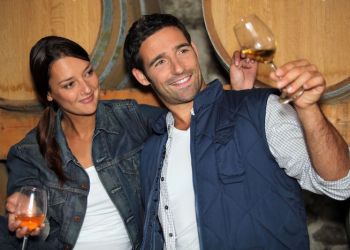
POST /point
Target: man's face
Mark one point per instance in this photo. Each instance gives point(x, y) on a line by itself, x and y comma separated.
point(171, 66)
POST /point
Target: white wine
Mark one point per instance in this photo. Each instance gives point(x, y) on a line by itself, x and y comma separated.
point(263, 55)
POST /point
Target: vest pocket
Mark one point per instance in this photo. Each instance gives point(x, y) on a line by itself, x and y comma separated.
point(228, 156)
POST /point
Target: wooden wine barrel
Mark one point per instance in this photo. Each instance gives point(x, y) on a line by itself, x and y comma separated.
point(100, 26)
point(314, 29)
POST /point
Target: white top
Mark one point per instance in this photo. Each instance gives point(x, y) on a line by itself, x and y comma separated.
point(180, 191)
point(285, 138)
point(103, 228)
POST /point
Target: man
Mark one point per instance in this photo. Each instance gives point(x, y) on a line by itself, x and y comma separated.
point(224, 168)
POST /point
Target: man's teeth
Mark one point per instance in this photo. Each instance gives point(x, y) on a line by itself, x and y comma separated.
point(182, 80)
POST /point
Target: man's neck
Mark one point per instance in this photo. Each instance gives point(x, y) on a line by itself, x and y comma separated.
point(182, 115)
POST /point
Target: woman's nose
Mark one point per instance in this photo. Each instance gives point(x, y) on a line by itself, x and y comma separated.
point(85, 87)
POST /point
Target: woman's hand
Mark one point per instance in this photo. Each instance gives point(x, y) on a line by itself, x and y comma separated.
point(13, 224)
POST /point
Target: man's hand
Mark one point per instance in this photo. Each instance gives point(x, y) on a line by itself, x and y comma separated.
point(13, 224)
point(242, 71)
point(300, 74)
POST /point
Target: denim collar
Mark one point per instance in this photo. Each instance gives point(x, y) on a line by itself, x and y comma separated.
point(103, 123)
point(203, 99)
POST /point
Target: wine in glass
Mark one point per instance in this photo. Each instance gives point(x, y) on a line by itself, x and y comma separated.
point(258, 43)
point(31, 208)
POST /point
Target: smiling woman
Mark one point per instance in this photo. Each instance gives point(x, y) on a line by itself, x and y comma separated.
point(80, 150)
point(98, 25)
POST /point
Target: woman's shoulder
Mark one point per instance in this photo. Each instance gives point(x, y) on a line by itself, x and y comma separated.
point(29, 140)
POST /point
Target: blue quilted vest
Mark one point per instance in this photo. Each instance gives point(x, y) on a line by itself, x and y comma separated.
point(244, 200)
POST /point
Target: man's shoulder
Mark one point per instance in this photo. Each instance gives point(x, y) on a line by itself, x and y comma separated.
point(249, 97)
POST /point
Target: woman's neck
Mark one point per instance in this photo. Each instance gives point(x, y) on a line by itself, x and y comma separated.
point(78, 126)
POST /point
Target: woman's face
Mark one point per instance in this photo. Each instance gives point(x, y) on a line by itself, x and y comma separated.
point(74, 86)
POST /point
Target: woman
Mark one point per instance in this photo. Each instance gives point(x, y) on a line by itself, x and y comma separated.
point(84, 152)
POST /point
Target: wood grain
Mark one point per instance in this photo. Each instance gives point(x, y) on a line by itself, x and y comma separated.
point(314, 29)
point(24, 22)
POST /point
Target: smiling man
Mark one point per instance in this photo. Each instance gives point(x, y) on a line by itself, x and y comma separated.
point(223, 169)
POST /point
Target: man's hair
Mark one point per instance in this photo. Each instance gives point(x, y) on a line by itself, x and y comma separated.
point(141, 29)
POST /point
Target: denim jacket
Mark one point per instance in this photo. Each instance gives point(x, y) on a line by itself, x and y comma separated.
point(121, 128)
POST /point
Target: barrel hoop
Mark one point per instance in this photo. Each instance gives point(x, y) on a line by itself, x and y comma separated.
point(104, 34)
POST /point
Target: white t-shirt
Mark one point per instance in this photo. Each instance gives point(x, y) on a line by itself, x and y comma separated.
point(103, 227)
point(180, 190)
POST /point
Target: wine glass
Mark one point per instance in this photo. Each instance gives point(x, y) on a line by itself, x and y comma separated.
point(31, 208)
point(258, 43)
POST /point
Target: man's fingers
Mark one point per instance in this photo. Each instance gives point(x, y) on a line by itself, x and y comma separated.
point(296, 77)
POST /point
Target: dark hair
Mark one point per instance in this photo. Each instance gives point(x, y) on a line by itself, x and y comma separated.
point(46, 51)
point(141, 29)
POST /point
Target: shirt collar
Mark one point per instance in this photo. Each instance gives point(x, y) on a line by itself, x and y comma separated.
point(204, 98)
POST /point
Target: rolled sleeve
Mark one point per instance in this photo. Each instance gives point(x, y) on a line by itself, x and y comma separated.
point(287, 144)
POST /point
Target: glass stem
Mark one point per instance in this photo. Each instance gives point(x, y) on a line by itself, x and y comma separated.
point(24, 243)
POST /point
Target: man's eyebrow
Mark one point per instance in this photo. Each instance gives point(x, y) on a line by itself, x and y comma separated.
point(162, 54)
point(182, 45)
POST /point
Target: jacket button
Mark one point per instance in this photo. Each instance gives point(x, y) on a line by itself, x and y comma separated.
point(67, 247)
point(84, 186)
point(76, 218)
point(166, 207)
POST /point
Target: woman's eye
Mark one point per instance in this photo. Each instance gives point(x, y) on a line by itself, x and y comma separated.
point(89, 72)
point(68, 85)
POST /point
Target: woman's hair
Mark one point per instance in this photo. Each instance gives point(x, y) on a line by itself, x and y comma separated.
point(42, 55)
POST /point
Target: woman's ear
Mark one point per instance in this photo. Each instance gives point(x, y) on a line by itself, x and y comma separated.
point(49, 97)
point(140, 77)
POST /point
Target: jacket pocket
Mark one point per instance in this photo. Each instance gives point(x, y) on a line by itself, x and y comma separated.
point(128, 166)
point(56, 201)
point(129, 162)
point(228, 156)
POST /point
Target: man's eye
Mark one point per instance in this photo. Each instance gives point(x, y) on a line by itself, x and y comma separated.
point(182, 51)
point(159, 62)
